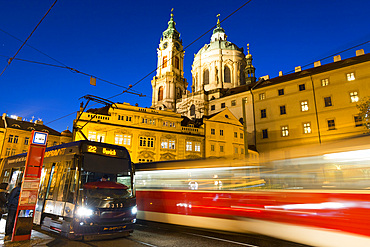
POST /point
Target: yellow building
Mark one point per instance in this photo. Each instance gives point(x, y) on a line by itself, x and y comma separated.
point(313, 106)
point(158, 135)
point(15, 135)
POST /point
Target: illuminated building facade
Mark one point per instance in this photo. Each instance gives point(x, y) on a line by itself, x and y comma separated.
point(15, 135)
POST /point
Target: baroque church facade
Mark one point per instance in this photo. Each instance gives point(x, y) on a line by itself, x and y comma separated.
point(217, 67)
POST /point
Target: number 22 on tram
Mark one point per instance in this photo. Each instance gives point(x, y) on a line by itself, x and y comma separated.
point(86, 190)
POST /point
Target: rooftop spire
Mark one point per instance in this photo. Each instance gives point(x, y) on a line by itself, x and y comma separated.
point(218, 32)
point(171, 31)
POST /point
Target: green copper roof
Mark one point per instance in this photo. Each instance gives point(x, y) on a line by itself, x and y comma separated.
point(218, 29)
point(171, 31)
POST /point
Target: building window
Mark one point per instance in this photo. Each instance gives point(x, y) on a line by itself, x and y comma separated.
point(221, 132)
point(236, 150)
point(189, 146)
point(177, 63)
point(192, 110)
point(302, 87)
point(354, 96)
point(127, 140)
point(307, 128)
point(168, 144)
point(10, 139)
point(263, 113)
point(118, 139)
point(223, 105)
point(164, 63)
point(212, 148)
point(281, 91)
point(241, 135)
point(213, 107)
point(213, 131)
point(236, 134)
point(304, 105)
point(100, 137)
point(91, 136)
point(358, 121)
point(160, 93)
point(146, 141)
point(221, 149)
point(242, 150)
point(206, 77)
point(15, 139)
point(197, 147)
point(13, 152)
point(262, 96)
point(331, 124)
point(26, 140)
point(325, 82)
point(282, 110)
point(129, 118)
point(264, 134)
point(327, 101)
point(227, 75)
point(233, 103)
point(351, 76)
point(164, 144)
point(284, 131)
point(7, 153)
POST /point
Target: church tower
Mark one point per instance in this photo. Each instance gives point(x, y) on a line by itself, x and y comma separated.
point(249, 70)
point(169, 83)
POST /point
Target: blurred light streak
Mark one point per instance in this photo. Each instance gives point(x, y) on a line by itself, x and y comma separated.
point(349, 156)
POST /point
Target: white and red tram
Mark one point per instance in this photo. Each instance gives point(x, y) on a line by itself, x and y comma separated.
point(319, 201)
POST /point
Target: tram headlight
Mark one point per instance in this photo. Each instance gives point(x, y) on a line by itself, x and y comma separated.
point(134, 210)
point(82, 211)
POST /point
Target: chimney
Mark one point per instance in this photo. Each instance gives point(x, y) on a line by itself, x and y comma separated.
point(280, 73)
point(265, 77)
point(317, 64)
point(337, 58)
point(298, 69)
point(19, 118)
point(39, 122)
point(360, 52)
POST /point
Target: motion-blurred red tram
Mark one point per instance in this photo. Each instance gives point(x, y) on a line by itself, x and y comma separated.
point(320, 201)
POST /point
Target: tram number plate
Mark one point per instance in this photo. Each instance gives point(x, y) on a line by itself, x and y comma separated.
point(114, 228)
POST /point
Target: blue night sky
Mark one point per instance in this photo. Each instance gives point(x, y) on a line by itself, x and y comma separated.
point(117, 41)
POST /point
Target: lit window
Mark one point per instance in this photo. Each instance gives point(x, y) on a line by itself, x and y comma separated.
point(118, 139)
point(331, 124)
point(221, 132)
point(307, 128)
point(100, 137)
point(263, 113)
point(281, 92)
point(327, 101)
point(264, 134)
point(233, 103)
point(189, 146)
point(358, 121)
point(91, 136)
point(164, 143)
point(351, 76)
point(304, 106)
point(282, 110)
point(10, 138)
point(171, 144)
point(354, 96)
point(213, 131)
point(284, 131)
point(197, 147)
point(325, 82)
point(302, 87)
point(262, 96)
point(127, 140)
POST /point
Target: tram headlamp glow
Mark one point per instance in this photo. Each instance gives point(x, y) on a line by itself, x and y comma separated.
point(134, 210)
point(82, 211)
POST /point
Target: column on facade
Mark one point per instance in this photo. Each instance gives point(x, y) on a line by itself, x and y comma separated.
point(220, 71)
point(234, 81)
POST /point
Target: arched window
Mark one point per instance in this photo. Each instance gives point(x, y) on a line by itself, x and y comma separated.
point(160, 93)
point(227, 74)
point(192, 110)
point(164, 62)
point(206, 77)
point(178, 93)
point(177, 63)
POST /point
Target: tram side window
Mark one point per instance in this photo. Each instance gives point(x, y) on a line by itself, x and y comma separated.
point(64, 180)
point(56, 177)
point(45, 175)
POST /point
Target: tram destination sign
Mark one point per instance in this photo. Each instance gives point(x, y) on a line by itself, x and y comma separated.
point(107, 151)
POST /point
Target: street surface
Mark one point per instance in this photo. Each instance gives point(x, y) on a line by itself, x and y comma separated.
point(162, 235)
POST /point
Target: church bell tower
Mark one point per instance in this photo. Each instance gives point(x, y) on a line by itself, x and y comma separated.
point(169, 83)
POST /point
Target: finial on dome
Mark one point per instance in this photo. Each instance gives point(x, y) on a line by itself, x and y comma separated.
point(218, 19)
point(248, 47)
point(171, 12)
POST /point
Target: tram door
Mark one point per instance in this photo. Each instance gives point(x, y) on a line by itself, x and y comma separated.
point(46, 176)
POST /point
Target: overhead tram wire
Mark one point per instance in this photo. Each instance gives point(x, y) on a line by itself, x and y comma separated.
point(11, 59)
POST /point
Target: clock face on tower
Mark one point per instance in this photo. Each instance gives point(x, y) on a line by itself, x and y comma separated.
point(165, 45)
